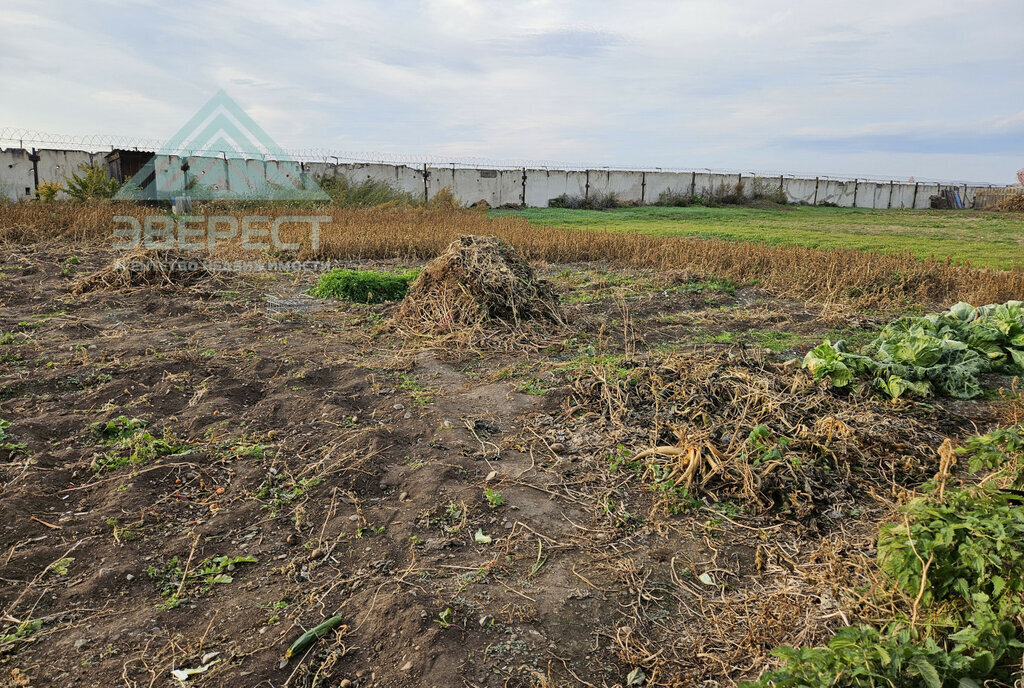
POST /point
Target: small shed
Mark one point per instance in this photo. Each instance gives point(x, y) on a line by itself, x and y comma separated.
point(122, 164)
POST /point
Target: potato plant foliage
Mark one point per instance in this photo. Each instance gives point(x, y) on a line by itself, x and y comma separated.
point(959, 556)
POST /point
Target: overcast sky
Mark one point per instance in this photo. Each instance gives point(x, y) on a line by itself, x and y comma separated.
point(887, 88)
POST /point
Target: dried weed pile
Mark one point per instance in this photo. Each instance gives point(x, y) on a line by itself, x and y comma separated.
point(479, 285)
point(156, 269)
point(732, 435)
point(739, 426)
point(1013, 204)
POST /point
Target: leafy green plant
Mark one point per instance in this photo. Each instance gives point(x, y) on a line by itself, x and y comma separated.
point(47, 191)
point(416, 390)
point(363, 286)
point(60, 567)
point(863, 657)
point(141, 447)
point(942, 353)
point(763, 447)
point(494, 498)
point(677, 497)
point(960, 558)
point(622, 459)
point(995, 449)
point(19, 632)
point(176, 583)
point(7, 442)
point(721, 284)
point(92, 184)
point(974, 541)
point(445, 618)
point(833, 361)
point(281, 489)
point(118, 429)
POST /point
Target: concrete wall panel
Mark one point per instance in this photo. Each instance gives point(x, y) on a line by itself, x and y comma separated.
point(576, 183)
point(402, 177)
point(838, 192)
point(316, 170)
point(439, 178)
point(799, 190)
point(662, 182)
point(472, 185)
point(16, 178)
point(703, 184)
point(902, 196)
point(510, 187)
point(57, 165)
point(924, 195)
point(627, 186)
point(847, 191)
point(865, 196)
point(970, 192)
point(543, 185)
point(883, 190)
point(209, 172)
point(720, 184)
point(170, 180)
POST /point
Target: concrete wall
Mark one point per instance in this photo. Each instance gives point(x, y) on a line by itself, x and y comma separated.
point(657, 183)
point(17, 180)
point(627, 186)
point(495, 186)
point(924, 195)
point(803, 191)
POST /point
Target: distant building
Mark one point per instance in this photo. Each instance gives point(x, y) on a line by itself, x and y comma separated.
point(124, 164)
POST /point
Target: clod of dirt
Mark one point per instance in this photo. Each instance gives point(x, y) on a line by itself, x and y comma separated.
point(478, 282)
point(160, 269)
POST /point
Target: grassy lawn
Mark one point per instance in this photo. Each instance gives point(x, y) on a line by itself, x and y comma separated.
point(983, 238)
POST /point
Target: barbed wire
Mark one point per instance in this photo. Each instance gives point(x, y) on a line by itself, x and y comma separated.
point(94, 143)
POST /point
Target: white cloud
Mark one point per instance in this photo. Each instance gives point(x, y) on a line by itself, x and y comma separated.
point(701, 83)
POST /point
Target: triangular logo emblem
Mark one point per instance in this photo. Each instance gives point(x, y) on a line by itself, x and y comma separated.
point(221, 154)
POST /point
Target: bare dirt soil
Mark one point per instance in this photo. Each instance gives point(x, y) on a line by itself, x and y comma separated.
point(472, 515)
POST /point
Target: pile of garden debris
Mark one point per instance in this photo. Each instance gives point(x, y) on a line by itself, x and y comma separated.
point(478, 285)
point(158, 269)
point(736, 425)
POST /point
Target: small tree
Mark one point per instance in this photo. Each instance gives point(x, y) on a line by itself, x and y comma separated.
point(48, 191)
point(93, 183)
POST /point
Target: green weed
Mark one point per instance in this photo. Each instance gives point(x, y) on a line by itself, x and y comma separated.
point(363, 286)
point(494, 498)
point(136, 448)
point(7, 442)
point(176, 584)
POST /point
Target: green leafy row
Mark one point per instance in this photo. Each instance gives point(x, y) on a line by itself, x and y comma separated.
point(941, 353)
